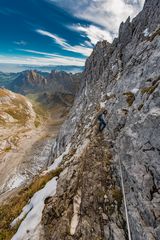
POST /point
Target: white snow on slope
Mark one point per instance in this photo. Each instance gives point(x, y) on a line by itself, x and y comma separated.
point(33, 210)
point(57, 161)
point(35, 207)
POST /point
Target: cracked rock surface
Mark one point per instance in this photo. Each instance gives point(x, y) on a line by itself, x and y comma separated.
point(124, 77)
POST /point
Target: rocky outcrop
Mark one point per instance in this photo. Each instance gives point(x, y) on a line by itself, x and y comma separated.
point(124, 78)
point(88, 202)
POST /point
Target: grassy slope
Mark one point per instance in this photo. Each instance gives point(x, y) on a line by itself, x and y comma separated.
point(11, 210)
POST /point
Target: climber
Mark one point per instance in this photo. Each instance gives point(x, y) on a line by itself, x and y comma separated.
point(101, 120)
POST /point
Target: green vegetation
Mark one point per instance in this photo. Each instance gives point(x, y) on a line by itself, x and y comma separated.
point(7, 149)
point(149, 90)
point(12, 209)
point(130, 98)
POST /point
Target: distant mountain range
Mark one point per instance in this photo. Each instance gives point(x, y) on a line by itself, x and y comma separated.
point(32, 81)
point(19, 68)
point(73, 69)
point(7, 78)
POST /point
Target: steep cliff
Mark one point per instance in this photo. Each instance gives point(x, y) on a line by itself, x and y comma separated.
point(124, 78)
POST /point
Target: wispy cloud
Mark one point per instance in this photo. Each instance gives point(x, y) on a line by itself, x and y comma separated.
point(8, 11)
point(84, 50)
point(20, 43)
point(47, 59)
point(93, 33)
point(105, 13)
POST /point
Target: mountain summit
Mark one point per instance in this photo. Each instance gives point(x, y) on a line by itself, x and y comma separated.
point(27, 81)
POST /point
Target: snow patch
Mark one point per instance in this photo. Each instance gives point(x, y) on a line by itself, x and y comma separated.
point(109, 94)
point(135, 90)
point(146, 32)
point(155, 112)
point(102, 104)
point(34, 212)
point(73, 119)
point(76, 212)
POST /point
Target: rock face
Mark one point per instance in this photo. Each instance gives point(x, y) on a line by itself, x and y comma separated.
point(124, 78)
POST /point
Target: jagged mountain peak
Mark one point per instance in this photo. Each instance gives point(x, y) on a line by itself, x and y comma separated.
point(28, 79)
point(32, 81)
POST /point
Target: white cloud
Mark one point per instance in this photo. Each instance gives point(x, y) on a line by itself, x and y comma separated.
point(20, 43)
point(105, 13)
point(57, 39)
point(86, 51)
point(93, 33)
point(40, 53)
point(47, 59)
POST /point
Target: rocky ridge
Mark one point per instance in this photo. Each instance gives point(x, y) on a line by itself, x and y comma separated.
point(32, 81)
point(124, 78)
point(28, 81)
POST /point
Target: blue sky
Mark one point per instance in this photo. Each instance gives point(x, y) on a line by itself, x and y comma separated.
point(58, 32)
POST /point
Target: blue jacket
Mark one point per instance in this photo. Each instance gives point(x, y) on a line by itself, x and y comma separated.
point(101, 117)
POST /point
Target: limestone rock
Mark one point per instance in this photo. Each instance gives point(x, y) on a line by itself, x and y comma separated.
point(124, 77)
